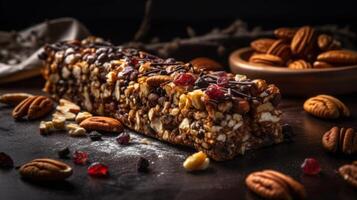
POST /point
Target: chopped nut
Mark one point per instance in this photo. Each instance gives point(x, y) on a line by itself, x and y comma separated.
point(59, 122)
point(82, 116)
point(196, 99)
point(67, 106)
point(68, 115)
point(197, 161)
point(75, 130)
point(45, 127)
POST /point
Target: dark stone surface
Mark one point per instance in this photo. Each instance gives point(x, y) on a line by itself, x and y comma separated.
point(166, 178)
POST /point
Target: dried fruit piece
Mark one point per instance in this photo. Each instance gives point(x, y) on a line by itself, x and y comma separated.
point(14, 98)
point(266, 59)
point(349, 174)
point(215, 92)
point(45, 169)
point(98, 170)
point(280, 49)
point(300, 64)
point(325, 106)
point(33, 107)
point(95, 136)
point(274, 185)
point(80, 157)
point(303, 41)
point(6, 161)
point(99, 123)
point(339, 57)
point(340, 140)
point(184, 79)
point(123, 138)
point(262, 45)
point(143, 165)
point(311, 166)
point(285, 33)
point(197, 161)
point(321, 65)
point(206, 64)
point(64, 153)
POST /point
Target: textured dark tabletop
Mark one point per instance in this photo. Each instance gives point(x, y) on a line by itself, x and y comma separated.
point(167, 179)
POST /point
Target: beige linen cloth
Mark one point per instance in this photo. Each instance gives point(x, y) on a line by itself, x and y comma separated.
point(56, 30)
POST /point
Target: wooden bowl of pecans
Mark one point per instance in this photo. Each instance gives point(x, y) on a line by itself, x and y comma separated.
point(300, 62)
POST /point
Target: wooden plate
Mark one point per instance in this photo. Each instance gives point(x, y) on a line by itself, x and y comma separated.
point(305, 82)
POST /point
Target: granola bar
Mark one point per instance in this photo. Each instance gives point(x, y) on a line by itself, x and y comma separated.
point(218, 113)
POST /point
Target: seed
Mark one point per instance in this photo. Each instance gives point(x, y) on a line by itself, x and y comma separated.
point(143, 165)
point(63, 153)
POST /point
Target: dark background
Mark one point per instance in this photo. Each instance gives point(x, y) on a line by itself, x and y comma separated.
point(118, 20)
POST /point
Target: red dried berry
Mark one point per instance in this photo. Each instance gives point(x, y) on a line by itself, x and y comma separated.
point(98, 170)
point(215, 92)
point(222, 81)
point(185, 79)
point(311, 166)
point(80, 157)
point(6, 161)
point(123, 139)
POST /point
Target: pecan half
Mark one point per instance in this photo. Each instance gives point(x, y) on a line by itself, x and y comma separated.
point(325, 106)
point(45, 169)
point(206, 64)
point(33, 107)
point(340, 140)
point(285, 33)
point(99, 123)
point(300, 64)
point(274, 185)
point(303, 41)
point(157, 80)
point(326, 42)
point(280, 49)
point(339, 57)
point(13, 98)
point(349, 173)
point(321, 64)
point(262, 45)
point(266, 59)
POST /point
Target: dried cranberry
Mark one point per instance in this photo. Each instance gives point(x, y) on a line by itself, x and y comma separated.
point(215, 92)
point(123, 139)
point(80, 157)
point(185, 79)
point(6, 161)
point(98, 170)
point(223, 81)
point(63, 153)
point(143, 165)
point(311, 166)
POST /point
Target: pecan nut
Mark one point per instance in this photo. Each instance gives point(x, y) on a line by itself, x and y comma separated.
point(285, 33)
point(33, 107)
point(300, 64)
point(326, 42)
point(157, 80)
point(320, 65)
point(262, 45)
point(340, 140)
point(206, 64)
point(280, 49)
point(13, 98)
point(349, 173)
point(303, 40)
point(99, 123)
point(45, 169)
point(325, 106)
point(339, 57)
point(275, 185)
point(266, 59)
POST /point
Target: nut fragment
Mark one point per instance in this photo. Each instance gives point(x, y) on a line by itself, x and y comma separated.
point(75, 130)
point(326, 42)
point(82, 116)
point(340, 140)
point(67, 106)
point(207, 64)
point(197, 161)
point(13, 98)
point(45, 169)
point(99, 123)
point(349, 173)
point(67, 115)
point(325, 106)
point(59, 122)
point(33, 107)
point(46, 127)
point(274, 185)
